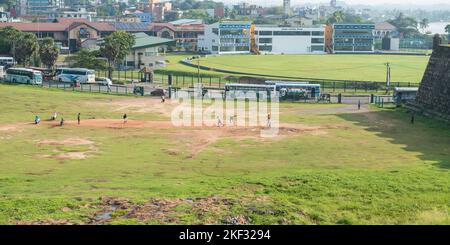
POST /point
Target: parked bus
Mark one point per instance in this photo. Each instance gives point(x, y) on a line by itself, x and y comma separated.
point(404, 95)
point(75, 74)
point(2, 72)
point(297, 90)
point(6, 62)
point(23, 75)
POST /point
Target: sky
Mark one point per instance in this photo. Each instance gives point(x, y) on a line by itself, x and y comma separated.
point(365, 2)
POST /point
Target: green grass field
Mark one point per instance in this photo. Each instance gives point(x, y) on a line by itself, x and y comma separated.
point(341, 67)
point(366, 167)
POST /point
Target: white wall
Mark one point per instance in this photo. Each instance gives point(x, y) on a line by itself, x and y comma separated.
point(291, 44)
point(209, 39)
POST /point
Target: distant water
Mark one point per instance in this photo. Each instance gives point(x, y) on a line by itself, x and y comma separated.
point(437, 27)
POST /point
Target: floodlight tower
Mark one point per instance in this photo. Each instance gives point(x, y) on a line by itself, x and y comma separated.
point(286, 8)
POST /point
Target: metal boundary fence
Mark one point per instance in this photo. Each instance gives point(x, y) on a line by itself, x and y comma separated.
point(378, 100)
point(188, 79)
point(327, 86)
point(382, 101)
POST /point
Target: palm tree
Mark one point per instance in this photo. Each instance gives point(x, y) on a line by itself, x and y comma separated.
point(337, 17)
point(447, 29)
point(424, 24)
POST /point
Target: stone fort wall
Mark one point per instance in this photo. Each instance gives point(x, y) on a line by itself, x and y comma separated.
point(433, 98)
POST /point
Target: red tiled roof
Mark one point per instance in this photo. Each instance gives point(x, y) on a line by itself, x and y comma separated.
point(191, 27)
point(100, 26)
point(385, 26)
point(30, 27)
point(69, 20)
point(159, 26)
point(194, 27)
point(60, 26)
point(63, 24)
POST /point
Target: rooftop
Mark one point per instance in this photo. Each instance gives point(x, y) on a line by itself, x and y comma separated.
point(187, 22)
point(145, 41)
point(385, 26)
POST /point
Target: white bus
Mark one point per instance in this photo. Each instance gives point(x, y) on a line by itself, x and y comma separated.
point(7, 61)
point(75, 74)
point(2, 72)
point(23, 75)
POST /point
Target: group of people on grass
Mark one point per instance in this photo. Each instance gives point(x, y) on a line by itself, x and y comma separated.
point(232, 119)
point(37, 119)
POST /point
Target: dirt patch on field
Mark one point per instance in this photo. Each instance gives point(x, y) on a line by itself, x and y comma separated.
point(9, 128)
point(71, 141)
point(63, 154)
point(167, 211)
point(196, 139)
point(342, 108)
point(138, 105)
point(45, 222)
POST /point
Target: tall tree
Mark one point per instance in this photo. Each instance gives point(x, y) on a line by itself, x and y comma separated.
point(343, 17)
point(337, 17)
point(87, 59)
point(115, 47)
point(9, 37)
point(48, 52)
point(424, 23)
point(7, 3)
point(405, 25)
point(26, 46)
point(447, 29)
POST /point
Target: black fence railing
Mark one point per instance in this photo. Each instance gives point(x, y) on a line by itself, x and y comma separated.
point(186, 80)
point(338, 97)
point(328, 86)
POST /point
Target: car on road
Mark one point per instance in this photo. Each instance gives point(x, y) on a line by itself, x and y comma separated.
point(103, 81)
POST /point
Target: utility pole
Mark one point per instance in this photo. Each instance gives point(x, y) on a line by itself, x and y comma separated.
point(198, 69)
point(388, 76)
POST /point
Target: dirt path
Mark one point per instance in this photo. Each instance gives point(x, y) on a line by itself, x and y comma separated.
point(336, 110)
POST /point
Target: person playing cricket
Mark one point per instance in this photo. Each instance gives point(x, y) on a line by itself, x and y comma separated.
point(269, 123)
point(37, 120)
point(79, 118)
point(125, 118)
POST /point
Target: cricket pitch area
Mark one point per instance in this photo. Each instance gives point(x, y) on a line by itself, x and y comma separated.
point(328, 164)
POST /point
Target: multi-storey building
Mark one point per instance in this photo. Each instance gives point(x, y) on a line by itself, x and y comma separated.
point(185, 33)
point(39, 7)
point(286, 8)
point(289, 40)
point(80, 13)
point(226, 37)
point(353, 38)
point(241, 37)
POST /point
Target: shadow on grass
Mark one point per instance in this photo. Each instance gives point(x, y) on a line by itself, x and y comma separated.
point(427, 136)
